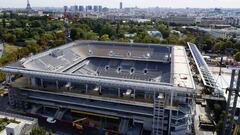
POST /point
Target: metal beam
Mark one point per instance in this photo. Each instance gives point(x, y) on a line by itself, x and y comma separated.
point(104, 81)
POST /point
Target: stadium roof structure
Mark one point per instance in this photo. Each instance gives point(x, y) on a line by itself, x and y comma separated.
point(205, 73)
point(149, 66)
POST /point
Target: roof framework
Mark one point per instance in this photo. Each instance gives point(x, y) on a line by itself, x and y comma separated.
point(99, 80)
point(102, 49)
point(205, 73)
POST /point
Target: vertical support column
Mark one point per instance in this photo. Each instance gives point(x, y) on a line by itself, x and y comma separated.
point(42, 85)
point(134, 94)
point(154, 95)
point(100, 90)
point(8, 78)
point(29, 81)
point(234, 103)
point(119, 92)
point(225, 122)
point(33, 81)
point(86, 90)
point(57, 84)
point(170, 114)
point(44, 109)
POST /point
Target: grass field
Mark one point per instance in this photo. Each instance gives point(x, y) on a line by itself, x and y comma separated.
point(9, 48)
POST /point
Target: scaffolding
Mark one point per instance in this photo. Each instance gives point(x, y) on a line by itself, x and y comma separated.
point(231, 102)
point(158, 115)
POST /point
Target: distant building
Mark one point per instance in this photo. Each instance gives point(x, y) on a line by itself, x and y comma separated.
point(88, 8)
point(179, 20)
point(75, 8)
point(81, 8)
point(105, 9)
point(220, 33)
point(28, 8)
point(218, 10)
point(155, 33)
point(100, 8)
point(96, 8)
point(210, 21)
point(232, 21)
point(65, 8)
point(121, 5)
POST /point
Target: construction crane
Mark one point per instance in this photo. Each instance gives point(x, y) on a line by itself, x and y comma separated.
point(233, 93)
point(67, 34)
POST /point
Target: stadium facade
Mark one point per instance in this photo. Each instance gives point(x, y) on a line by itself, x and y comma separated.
point(137, 87)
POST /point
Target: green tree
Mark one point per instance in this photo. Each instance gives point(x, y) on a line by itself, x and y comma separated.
point(164, 30)
point(104, 37)
point(35, 23)
point(4, 23)
point(237, 56)
point(38, 131)
point(173, 39)
point(75, 33)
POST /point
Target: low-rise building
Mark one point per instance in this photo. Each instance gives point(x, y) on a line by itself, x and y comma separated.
point(179, 20)
point(14, 124)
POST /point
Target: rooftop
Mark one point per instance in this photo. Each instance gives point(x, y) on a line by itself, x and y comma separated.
point(135, 61)
point(24, 123)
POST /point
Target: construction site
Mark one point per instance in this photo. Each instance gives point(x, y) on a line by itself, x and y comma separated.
point(116, 88)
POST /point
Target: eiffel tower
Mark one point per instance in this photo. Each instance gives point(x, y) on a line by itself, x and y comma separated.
point(28, 8)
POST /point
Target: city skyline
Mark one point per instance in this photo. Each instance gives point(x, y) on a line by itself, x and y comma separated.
point(126, 3)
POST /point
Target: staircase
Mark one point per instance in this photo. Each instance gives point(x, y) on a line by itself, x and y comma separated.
point(158, 116)
point(59, 114)
point(123, 127)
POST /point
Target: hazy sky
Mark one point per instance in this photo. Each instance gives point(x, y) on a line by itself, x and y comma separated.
point(126, 3)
